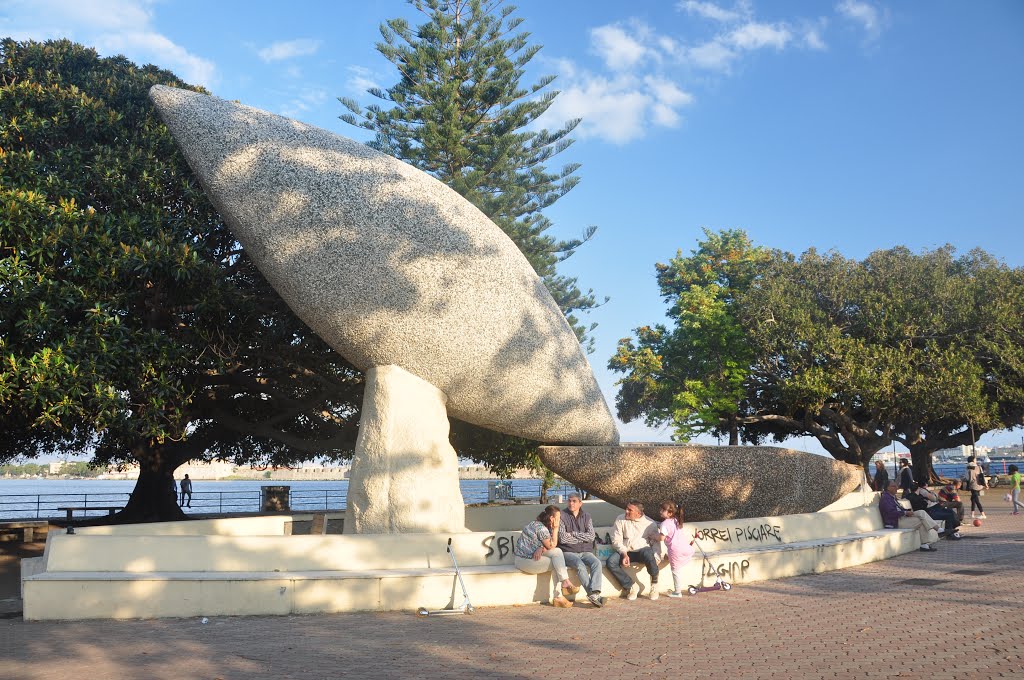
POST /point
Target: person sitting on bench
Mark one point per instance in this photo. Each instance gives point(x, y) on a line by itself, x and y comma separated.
point(537, 552)
point(925, 499)
point(893, 515)
point(949, 497)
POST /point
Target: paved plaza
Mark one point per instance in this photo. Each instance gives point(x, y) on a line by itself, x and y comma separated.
point(956, 613)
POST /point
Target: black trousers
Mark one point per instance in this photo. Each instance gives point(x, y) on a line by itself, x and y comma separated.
point(937, 512)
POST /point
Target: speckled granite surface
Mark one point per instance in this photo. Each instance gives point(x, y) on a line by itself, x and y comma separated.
point(712, 482)
point(390, 266)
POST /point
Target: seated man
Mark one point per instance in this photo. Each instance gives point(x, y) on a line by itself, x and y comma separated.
point(576, 539)
point(632, 536)
point(925, 499)
point(893, 515)
point(949, 497)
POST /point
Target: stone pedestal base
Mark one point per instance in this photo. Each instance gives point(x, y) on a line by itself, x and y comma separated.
point(405, 473)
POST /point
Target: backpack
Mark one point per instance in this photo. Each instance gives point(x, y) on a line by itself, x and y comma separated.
point(981, 478)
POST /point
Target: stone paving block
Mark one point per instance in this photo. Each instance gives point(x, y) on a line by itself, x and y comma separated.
point(838, 624)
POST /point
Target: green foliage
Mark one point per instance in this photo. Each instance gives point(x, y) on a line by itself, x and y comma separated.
point(896, 347)
point(907, 347)
point(460, 113)
point(132, 321)
point(694, 374)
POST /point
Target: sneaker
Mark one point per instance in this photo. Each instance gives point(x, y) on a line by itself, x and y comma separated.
point(956, 536)
point(596, 599)
point(972, 516)
point(561, 602)
point(654, 592)
point(983, 516)
point(570, 592)
point(674, 593)
point(928, 548)
point(634, 590)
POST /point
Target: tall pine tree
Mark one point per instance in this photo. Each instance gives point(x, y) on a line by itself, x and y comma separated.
point(459, 113)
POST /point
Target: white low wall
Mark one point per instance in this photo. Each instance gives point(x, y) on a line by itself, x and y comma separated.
point(106, 572)
point(262, 525)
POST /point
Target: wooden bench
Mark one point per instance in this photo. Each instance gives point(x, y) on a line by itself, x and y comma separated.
point(27, 528)
point(111, 509)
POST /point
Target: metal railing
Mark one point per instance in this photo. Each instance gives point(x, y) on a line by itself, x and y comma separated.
point(220, 502)
point(44, 506)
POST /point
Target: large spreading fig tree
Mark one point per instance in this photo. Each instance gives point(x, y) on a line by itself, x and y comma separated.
point(918, 348)
point(132, 322)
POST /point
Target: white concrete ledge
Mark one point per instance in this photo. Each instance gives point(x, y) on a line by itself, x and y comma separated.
point(140, 576)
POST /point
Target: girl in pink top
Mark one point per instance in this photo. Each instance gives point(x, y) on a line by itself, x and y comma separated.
point(680, 546)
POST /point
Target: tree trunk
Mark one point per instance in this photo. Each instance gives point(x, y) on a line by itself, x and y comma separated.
point(153, 498)
point(921, 462)
point(734, 432)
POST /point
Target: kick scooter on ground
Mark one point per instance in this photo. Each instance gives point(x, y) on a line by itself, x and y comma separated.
point(720, 583)
point(464, 608)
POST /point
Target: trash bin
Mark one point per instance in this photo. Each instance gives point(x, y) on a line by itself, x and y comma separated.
point(275, 498)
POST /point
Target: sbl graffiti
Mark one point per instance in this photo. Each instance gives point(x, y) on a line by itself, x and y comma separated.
point(505, 545)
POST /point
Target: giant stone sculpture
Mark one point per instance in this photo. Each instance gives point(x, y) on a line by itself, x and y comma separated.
point(392, 268)
point(416, 287)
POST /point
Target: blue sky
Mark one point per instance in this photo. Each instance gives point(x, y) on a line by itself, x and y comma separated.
point(854, 125)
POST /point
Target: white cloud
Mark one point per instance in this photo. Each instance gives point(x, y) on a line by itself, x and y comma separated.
point(617, 48)
point(360, 80)
point(667, 92)
point(812, 34)
point(111, 26)
point(720, 52)
point(289, 49)
point(640, 87)
point(616, 109)
point(710, 10)
point(754, 36)
point(612, 109)
point(304, 100)
point(865, 14)
point(713, 56)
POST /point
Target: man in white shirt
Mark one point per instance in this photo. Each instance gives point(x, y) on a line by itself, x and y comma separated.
point(632, 537)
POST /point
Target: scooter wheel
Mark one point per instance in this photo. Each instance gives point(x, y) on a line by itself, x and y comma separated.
point(469, 609)
point(422, 611)
point(726, 586)
point(692, 590)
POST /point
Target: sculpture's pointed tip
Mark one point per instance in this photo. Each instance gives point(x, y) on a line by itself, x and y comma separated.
point(159, 94)
point(172, 102)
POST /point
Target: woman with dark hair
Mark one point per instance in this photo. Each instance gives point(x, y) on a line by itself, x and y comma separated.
point(1015, 489)
point(881, 476)
point(536, 553)
point(975, 483)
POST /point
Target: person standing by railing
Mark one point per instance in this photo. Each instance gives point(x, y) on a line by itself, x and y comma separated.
point(186, 489)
